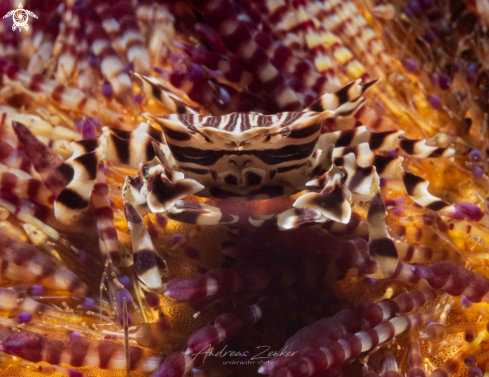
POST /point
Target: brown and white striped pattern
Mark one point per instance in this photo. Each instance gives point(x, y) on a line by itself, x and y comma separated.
point(67, 58)
point(418, 254)
point(72, 98)
point(110, 64)
point(381, 247)
point(28, 188)
point(313, 336)
point(225, 327)
point(148, 264)
point(55, 173)
point(362, 182)
point(455, 280)
point(278, 150)
point(108, 242)
point(415, 359)
point(372, 314)
point(239, 41)
point(117, 146)
point(237, 155)
point(378, 141)
point(349, 346)
point(21, 261)
point(78, 351)
point(153, 87)
point(129, 37)
point(11, 301)
point(390, 167)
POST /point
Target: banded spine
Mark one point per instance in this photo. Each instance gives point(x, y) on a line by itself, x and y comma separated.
point(78, 351)
point(23, 262)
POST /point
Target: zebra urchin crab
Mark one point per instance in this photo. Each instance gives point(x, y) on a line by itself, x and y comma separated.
point(249, 156)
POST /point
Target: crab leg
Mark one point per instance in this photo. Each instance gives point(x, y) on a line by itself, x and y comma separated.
point(148, 264)
point(330, 204)
point(74, 199)
point(381, 246)
point(163, 188)
point(390, 167)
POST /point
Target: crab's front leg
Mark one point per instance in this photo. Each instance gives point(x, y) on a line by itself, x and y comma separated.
point(331, 202)
point(148, 265)
point(160, 190)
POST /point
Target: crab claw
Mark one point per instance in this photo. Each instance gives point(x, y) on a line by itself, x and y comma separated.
point(163, 193)
point(191, 212)
point(289, 219)
point(312, 208)
point(332, 201)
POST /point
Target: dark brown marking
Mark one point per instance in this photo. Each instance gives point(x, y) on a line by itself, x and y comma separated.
point(150, 151)
point(78, 350)
point(123, 134)
point(54, 348)
point(269, 191)
point(231, 180)
point(305, 132)
point(195, 171)
point(72, 199)
point(343, 95)
point(88, 145)
point(89, 162)
point(145, 260)
point(407, 145)
point(359, 176)
point(122, 148)
point(106, 350)
point(438, 205)
point(438, 152)
point(66, 171)
point(36, 82)
point(253, 179)
point(346, 137)
point(132, 215)
point(383, 247)
point(411, 181)
point(176, 135)
point(378, 138)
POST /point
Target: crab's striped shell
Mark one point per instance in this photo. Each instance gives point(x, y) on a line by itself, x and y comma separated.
point(245, 155)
